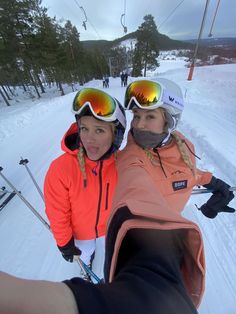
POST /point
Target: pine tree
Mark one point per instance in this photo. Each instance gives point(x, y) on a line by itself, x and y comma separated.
point(146, 48)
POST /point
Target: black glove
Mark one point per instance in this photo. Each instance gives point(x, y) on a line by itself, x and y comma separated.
point(219, 200)
point(69, 251)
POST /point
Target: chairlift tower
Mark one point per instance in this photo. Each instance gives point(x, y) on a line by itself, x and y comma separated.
point(190, 75)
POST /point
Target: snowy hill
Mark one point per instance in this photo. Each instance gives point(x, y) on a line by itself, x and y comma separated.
point(33, 130)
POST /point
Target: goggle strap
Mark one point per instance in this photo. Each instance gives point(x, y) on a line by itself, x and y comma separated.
point(119, 115)
point(172, 100)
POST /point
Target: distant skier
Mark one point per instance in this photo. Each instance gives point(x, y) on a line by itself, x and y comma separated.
point(107, 81)
point(125, 79)
point(103, 82)
point(122, 78)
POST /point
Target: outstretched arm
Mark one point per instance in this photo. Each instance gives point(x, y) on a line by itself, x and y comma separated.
point(32, 296)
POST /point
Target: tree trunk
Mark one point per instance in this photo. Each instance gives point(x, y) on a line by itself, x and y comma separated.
point(4, 89)
point(40, 83)
point(61, 89)
point(23, 85)
point(33, 82)
point(145, 69)
point(8, 87)
point(5, 99)
point(145, 61)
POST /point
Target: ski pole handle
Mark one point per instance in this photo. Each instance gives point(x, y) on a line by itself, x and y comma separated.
point(25, 162)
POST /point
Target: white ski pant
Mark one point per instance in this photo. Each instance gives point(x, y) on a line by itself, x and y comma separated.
point(88, 247)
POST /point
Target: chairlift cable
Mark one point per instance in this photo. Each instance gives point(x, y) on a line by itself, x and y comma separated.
point(170, 14)
point(84, 22)
point(87, 20)
point(213, 21)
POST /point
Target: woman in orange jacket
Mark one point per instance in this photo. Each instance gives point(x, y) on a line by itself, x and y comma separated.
point(80, 183)
point(167, 156)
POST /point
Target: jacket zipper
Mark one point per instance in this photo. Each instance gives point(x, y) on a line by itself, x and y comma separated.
point(107, 195)
point(99, 199)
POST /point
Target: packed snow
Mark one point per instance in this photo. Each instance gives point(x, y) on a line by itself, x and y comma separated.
point(33, 129)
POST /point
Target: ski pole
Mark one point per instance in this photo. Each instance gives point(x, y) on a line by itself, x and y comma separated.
point(82, 265)
point(34, 211)
point(87, 270)
point(24, 162)
point(203, 191)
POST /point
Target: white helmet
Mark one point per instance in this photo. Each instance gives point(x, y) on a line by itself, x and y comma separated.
point(173, 101)
point(161, 93)
point(92, 101)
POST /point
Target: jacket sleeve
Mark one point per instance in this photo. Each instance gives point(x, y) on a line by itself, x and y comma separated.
point(202, 177)
point(58, 209)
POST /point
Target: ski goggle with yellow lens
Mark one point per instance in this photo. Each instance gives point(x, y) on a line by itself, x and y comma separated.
point(150, 95)
point(103, 106)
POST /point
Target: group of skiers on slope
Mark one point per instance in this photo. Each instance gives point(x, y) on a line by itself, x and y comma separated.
point(123, 77)
point(154, 257)
point(105, 81)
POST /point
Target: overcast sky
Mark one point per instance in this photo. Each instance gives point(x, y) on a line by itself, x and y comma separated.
point(174, 18)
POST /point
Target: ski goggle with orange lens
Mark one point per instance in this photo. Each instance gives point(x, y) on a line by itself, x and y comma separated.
point(103, 106)
point(150, 95)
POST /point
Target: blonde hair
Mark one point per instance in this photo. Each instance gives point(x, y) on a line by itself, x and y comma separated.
point(183, 149)
point(184, 152)
point(81, 158)
point(182, 146)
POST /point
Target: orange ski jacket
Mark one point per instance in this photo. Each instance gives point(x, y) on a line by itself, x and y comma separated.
point(171, 176)
point(154, 204)
point(72, 209)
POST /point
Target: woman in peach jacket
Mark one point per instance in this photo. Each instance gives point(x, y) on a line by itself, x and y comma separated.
point(158, 164)
point(165, 154)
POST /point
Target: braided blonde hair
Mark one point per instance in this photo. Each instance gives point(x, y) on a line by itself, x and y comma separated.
point(81, 160)
point(184, 152)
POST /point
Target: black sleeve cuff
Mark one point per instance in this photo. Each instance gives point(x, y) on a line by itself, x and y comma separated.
point(68, 246)
point(88, 296)
point(211, 184)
